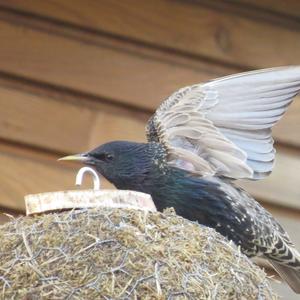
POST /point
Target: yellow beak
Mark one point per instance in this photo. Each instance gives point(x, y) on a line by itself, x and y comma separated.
point(75, 157)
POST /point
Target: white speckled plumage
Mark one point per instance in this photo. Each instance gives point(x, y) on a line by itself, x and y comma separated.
point(222, 129)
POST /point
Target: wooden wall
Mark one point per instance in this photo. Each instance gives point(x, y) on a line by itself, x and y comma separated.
point(74, 74)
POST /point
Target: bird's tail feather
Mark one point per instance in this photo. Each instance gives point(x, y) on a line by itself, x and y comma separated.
point(288, 274)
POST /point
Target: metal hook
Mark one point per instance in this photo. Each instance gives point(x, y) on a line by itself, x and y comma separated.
point(81, 173)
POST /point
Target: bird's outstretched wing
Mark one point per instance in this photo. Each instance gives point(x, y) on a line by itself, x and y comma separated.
point(223, 127)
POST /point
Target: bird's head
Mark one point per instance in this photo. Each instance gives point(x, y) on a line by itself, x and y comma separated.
point(120, 161)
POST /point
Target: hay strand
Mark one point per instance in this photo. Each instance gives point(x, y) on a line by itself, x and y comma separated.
point(112, 253)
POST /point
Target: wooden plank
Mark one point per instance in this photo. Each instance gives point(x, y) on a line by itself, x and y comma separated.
point(26, 172)
point(52, 124)
point(185, 26)
point(110, 69)
point(102, 70)
point(288, 7)
point(65, 126)
point(125, 75)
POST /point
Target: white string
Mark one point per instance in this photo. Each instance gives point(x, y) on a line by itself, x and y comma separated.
point(82, 172)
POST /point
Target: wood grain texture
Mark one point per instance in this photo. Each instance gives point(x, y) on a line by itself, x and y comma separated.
point(185, 26)
point(64, 126)
point(112, 73)
point(47, 123)
point(288, 7)
point(27, 172)
point(63, 62)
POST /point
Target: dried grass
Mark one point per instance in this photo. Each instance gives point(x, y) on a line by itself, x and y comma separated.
point(122, 254)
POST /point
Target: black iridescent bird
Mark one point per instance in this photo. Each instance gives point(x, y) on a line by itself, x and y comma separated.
point(200, 140)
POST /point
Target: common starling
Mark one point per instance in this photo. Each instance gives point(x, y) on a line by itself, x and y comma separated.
point(200, 140)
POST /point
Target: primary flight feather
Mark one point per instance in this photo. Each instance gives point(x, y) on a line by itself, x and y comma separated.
point(223, 127)
point(200, 140)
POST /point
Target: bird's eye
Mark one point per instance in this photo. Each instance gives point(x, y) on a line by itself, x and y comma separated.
point(109, 157)
point(104, 156)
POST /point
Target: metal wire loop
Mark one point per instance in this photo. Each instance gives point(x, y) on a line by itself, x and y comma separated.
point(82, 172)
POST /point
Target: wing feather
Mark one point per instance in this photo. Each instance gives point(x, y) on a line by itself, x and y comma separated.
point(223, 127)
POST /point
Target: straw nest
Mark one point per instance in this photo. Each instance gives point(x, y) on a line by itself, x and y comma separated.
point(122, 254)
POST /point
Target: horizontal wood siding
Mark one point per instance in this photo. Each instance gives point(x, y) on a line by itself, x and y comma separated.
point(186, 26)
point(75, 74)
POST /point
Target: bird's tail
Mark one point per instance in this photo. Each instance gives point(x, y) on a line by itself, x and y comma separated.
point(286, 261)
point(288, 274)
